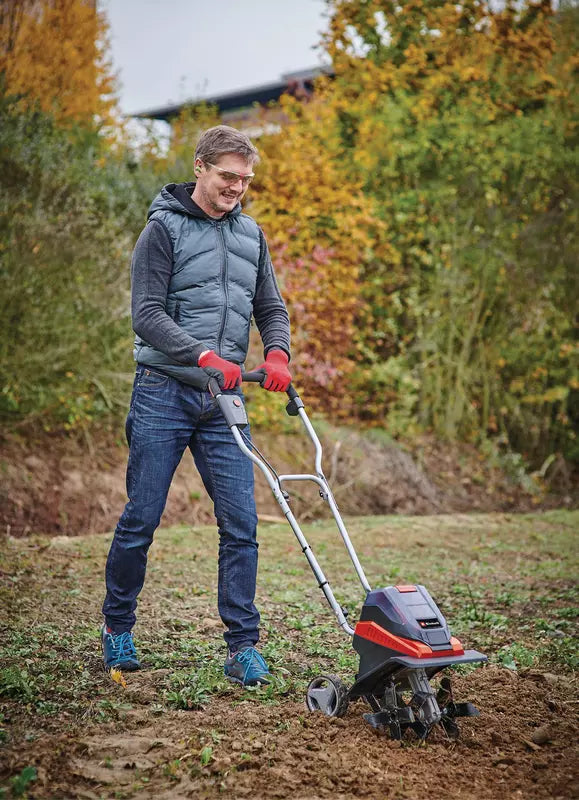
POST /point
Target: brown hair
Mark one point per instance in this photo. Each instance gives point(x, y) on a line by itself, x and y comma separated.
point(216, 142)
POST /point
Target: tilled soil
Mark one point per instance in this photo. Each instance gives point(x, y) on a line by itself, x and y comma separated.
point(285, 751)
point(505, 582)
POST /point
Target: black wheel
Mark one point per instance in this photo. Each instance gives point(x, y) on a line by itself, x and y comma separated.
point(328, 694)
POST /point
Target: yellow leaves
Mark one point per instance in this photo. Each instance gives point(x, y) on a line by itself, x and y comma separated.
point(567, 349)
point(55, 58)
point(317, 222)
point(118, 677)
point(492, 58)
point(517, 386)
point(556, 393)
point(472, 74)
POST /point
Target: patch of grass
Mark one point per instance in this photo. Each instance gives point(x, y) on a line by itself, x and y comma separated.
point(515, 656)
point(105, 710)
point(16, 683)
point(183, 650)
point(3, 731)
point(192, 689)
point(567, 613)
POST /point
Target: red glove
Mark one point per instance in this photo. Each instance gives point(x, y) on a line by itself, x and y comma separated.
point(228, 374)
point(278, 375)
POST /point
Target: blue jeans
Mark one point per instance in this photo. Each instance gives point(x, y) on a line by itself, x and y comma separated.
point(165, 417)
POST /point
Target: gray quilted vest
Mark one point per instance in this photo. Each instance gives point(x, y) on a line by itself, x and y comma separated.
point(212, 285)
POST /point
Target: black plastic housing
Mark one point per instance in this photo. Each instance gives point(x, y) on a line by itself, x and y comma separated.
point(400, 611)
point(233, 410)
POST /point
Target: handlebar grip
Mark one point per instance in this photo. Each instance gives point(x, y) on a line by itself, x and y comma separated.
point(291, 392)
point(253, 377)
point(214, 387)
point(248, 377)
point(260, 375)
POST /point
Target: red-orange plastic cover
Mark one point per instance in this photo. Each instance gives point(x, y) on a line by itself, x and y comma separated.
point(408, 647)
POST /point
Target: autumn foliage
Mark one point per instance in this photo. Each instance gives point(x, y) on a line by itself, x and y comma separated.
point(319, 224)
point(441, 156)
point(52, 55)
point(420, 207)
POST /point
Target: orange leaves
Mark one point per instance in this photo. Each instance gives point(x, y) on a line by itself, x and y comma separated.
point(53, 55)
point(310, 204)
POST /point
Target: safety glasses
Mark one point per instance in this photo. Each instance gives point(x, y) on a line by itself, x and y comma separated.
point(232, 177)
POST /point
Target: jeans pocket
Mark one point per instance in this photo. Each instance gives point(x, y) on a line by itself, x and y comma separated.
point(151, 379)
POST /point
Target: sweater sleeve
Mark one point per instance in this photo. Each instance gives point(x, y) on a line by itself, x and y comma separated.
point(151, 268)
point(269, 309)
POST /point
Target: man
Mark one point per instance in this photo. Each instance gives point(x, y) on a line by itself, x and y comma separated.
point(200, 270)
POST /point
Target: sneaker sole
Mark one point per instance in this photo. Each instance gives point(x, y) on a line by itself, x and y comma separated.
point(122, 667)
point(241, 683)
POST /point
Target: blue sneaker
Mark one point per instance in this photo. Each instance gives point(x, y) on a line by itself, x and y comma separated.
point(119, 650)
point(247, 667)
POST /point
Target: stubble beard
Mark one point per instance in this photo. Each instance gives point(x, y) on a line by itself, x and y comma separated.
point(220, 207)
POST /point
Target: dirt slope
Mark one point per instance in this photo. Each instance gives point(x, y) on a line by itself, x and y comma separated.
point(52, 484)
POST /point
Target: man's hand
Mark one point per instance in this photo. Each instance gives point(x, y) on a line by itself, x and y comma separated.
point(278, 375)
point(228, 374)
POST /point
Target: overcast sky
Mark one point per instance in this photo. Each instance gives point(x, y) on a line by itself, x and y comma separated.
point(169, 51)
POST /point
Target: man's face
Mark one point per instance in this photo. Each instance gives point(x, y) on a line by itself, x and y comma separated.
point(215, 192)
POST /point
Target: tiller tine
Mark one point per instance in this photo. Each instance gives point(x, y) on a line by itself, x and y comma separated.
point(395, 720)
point(450, 710)
point(450, 727)
point(444, 693)
point(449, 713)
point(378, 720)
point(461, 710)
point(420, 729)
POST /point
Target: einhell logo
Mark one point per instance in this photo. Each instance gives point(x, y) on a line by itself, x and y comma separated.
point(429, 623)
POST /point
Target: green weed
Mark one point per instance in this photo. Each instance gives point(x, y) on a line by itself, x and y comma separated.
point(171, 769)
point(193, 689)
point(515, 656)
point(20, 783)
point(16, 683)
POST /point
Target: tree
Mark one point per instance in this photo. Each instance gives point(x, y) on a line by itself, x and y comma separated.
point(318, 225)
point(456, 121)
point(52, 55)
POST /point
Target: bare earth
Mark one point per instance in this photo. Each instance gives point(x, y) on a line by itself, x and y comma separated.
point(507, 584)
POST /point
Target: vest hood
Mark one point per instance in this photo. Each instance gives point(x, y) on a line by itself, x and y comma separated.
point(172, 197)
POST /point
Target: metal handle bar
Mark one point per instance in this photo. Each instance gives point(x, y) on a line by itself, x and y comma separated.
point(235, 416)
point(257, 376)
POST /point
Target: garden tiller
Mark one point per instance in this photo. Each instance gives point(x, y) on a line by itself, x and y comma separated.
point(402, 639)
